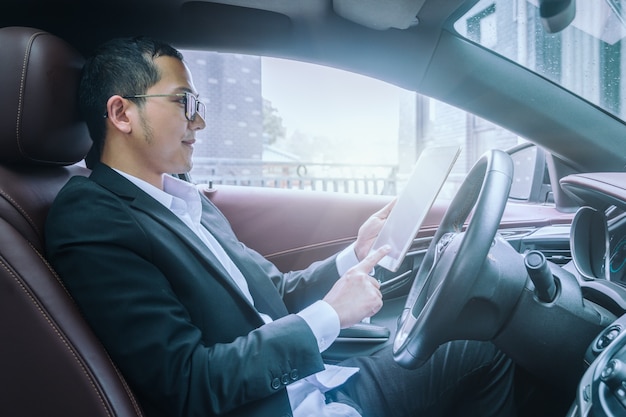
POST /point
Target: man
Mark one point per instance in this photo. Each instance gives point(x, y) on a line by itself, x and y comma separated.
point(199, 324)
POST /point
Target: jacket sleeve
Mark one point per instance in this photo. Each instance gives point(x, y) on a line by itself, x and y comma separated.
point(106, 258)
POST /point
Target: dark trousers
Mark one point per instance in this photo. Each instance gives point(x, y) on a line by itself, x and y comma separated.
point(462, 378)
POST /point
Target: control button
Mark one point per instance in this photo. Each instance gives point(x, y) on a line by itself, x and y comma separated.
point(606, 338)
point(614, 374)
point(587, 393)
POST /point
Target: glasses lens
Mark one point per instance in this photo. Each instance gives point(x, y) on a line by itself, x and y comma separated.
point(190, 106)
point(200, 109)
point(193, 106)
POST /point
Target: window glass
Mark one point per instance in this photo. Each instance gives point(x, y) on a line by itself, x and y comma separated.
point(287, 124)
point(585, 57)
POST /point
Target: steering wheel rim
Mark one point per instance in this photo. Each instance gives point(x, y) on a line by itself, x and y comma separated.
point(450, 268)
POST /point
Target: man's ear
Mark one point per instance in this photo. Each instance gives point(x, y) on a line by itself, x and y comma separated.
point(117, 113)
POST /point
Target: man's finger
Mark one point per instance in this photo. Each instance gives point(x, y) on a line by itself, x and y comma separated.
point(384, 212)
point(372, 259)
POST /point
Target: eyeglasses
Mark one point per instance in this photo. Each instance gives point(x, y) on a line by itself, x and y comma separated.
point(192, 105)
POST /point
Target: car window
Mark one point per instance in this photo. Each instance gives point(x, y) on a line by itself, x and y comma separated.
point(287, 124)
point(585, 58)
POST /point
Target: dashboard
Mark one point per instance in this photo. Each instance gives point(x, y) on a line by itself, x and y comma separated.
point(598, 245)
point(615, 257)
point(598, 239)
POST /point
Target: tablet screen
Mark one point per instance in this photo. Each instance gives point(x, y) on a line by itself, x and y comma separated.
point(428, 176)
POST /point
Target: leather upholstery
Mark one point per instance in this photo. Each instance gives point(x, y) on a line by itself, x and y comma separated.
point(38, 111)
point(51, 364)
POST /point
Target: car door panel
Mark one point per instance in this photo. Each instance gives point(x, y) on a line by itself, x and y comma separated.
point(293, 228)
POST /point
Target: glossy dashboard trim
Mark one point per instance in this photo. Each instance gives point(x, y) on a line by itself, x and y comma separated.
point(597, 189)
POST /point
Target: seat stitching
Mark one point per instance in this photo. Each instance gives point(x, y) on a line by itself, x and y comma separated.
point(34, 226)
point(22, 86)
point(129, 393)
point(19, 208)
point(55, 329)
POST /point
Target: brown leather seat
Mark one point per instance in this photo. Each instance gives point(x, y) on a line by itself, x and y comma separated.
point(51, 364)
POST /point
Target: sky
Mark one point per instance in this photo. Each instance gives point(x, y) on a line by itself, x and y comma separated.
point(323, 101)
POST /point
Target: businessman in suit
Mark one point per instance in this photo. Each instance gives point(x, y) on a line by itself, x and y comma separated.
point(199, 324)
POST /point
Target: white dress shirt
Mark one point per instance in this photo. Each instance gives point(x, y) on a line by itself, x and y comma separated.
point(307, 395)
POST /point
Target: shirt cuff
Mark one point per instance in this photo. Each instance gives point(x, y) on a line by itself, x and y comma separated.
point(346, 259)
point(323, 321)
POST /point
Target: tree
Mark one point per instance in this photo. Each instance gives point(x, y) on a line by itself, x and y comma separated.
point(273, 128)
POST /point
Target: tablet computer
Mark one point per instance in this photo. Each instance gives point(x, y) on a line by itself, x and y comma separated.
point(415, 200)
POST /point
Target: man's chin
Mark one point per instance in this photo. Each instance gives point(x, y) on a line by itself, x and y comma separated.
point(183, 169)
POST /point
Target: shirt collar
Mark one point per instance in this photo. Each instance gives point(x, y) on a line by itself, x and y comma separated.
point(177, 195)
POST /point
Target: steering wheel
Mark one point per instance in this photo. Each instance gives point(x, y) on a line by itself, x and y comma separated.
point(456, 294)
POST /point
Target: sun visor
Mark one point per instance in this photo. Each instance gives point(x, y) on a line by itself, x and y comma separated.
point(380, 14)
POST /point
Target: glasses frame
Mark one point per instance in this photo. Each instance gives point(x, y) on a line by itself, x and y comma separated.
point(193, 106)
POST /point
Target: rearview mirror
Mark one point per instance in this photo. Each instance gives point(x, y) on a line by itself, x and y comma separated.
point(556, 15)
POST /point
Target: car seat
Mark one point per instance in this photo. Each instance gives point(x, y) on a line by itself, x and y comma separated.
point(51, 364)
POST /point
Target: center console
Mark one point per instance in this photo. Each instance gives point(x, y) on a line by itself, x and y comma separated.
point(602, 389)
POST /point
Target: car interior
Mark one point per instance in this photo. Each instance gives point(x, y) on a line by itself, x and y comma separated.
point(53, 360)
point(563, 335)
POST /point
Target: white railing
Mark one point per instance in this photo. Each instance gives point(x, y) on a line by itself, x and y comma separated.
point(358, 179)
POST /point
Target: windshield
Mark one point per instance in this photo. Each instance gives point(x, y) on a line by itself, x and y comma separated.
point(585, 58)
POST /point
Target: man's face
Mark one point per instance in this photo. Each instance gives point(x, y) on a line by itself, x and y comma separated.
point(163, 138)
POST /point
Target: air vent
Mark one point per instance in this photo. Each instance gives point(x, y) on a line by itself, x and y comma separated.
point(559, 257)
point(552, 241)
point(555, 250)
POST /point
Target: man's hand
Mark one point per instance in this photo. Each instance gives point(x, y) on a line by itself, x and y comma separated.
point(370, 229)
point(356, 295)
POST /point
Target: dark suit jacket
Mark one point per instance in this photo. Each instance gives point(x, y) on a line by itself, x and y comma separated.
point(180, 330)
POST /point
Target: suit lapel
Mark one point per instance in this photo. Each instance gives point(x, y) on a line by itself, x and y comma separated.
point(139, 200)
point(264, 293)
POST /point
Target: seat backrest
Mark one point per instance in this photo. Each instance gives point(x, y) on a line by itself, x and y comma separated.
point(51, 364)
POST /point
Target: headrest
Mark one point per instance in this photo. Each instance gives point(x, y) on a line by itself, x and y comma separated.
point(39, 121)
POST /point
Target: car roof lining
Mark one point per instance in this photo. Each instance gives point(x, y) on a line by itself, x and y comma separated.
point(374, 14)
